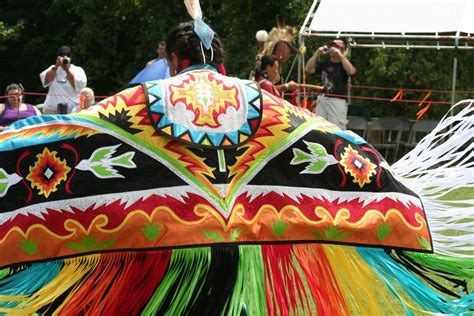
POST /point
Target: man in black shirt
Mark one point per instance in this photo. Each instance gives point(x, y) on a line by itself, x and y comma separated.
point(334, 74)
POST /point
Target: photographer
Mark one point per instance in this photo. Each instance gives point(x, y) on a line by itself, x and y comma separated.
point(334, 74)
point(64, 81)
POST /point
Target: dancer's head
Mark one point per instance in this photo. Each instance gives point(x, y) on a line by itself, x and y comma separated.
point(184, 49)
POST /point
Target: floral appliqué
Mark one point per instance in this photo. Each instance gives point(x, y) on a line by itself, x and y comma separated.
point(48, 172)
point(360, 168)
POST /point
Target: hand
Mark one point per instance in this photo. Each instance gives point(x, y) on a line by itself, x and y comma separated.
point(336, 52)
point(58, 61)
point(292, 86)
point(65, 66)
point(321, 50)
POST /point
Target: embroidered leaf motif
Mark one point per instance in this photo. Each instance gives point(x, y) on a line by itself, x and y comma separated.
point(383, 230)
point(212, 235)
point(29, 246)
point(423, 242)
point(334, 233)
point(151, 231)
point(90, 243)
point(76, 247)
point(279, 227)
point(235, 234)
point(316, 234)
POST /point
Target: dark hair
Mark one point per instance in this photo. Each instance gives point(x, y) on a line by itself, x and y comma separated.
point(182, 41)
point(13, 86)
point(64, 51)
point(262, 63)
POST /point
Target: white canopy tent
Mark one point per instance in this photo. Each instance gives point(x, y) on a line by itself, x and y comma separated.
point(435, 24)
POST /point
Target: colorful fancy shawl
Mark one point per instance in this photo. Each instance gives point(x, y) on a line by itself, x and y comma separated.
point(192, 174)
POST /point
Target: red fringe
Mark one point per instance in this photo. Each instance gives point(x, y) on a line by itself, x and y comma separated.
point(321, 280)
point(121, 285)
point(283, 284)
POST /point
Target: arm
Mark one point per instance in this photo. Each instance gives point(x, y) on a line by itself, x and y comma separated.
point(348, 67)
point(289, 86)
point(70, 78)
point(37, 111)
point(2, 108)
point(311, 64)
point(78, 77)
point(69, 74)
point(51, 73)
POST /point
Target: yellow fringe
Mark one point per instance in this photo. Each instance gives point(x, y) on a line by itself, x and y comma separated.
point(72, 275)
point(365, 292)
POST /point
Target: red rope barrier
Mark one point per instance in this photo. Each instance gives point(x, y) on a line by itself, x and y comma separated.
point(45, 94)
point(375, 98)
point(397, 98)
point(407, 89)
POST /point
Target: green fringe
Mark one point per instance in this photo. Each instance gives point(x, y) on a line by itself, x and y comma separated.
point(250, 283)
point(188, 267)
point(460, 267)
point(4, 272)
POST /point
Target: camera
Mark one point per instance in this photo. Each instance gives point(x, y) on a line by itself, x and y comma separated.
point(328, 50)
point(65, 60)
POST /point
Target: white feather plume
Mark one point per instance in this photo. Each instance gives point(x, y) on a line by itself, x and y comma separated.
point(194, 8)
point(261, 36)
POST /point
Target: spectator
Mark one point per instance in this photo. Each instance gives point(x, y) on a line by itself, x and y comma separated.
point(267, 73)
point(64, 81)
point(160, 51)
point(334, 74)
point(14, 109)
point(86, 100)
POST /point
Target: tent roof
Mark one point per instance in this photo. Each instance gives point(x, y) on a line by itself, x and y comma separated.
point(427, 20)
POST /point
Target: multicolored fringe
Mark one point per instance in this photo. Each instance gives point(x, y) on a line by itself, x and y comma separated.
point(303, 279)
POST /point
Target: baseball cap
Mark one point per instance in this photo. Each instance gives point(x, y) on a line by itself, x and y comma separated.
point(64, 51)
point(339, 44)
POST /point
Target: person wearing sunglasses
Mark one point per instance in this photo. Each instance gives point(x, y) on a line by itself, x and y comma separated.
point(14, 109)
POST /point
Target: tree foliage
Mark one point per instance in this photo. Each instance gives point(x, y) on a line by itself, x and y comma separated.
point(112, 40)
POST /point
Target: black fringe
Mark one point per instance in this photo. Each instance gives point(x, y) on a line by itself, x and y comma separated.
point(425, 272)
point(219, 283)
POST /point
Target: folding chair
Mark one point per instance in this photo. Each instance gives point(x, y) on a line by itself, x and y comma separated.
point(389, 130)
point(358, 125)
point(418, 130)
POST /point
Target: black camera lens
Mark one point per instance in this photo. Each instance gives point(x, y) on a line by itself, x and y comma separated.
point(65, 61)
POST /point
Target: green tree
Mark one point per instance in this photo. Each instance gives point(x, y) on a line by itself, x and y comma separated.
point(112, 40)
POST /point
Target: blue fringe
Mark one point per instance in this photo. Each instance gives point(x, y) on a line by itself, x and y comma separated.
point(397, 276)
point(29, 280)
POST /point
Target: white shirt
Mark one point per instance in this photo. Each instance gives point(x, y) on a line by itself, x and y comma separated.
point(60, 90)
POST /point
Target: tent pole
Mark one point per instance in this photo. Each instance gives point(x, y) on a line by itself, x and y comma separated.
point(300, 56)
point(349, 81)
point(455, 70)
